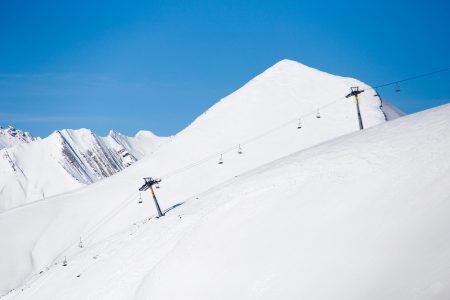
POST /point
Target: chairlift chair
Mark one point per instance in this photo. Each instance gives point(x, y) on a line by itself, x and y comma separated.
point(299, 124)
point(397, 87)
point(239, 149)
point(318, 115)
point(220, 160)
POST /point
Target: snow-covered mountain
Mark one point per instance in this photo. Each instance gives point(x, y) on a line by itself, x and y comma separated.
point(364, 216)
point(65, 160)
point(144, 142)
point(11, 136)
point(262, 120)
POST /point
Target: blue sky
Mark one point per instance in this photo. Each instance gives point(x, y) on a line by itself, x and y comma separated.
point(156, 65)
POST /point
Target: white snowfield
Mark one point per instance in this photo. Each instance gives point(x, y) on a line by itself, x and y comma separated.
point(363, 216)
point(32, 169)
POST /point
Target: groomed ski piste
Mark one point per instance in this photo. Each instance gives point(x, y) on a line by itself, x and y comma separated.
point(321, 212)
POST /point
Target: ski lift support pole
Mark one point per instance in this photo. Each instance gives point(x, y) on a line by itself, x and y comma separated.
point(355, 91)
point(148, 185)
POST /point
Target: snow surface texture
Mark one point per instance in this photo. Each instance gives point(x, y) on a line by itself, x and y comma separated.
point(379, 230)
point(66, 160)
point(262, 117)
point(11, 136)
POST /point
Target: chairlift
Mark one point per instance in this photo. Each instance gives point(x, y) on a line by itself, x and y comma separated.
point(80, 244)
point(397, 87)
point(239, 149)
point(318, 114)
point(64, 261)
point(140, 198)
point(299, 124)
point(157, 185)
point(220, 160)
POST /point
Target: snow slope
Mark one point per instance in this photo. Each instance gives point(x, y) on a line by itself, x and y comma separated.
point(391, 111)
point(11, 136)
point(144, 142)
point(66, 160)
point(364, 216)
point(262, 117)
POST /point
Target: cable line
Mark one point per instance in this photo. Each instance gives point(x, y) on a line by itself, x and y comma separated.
point(86, 236)
point(410, 78)
point(233, 148)
point(110, 215)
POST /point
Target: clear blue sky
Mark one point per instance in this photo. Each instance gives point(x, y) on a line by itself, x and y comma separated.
point(156, 65)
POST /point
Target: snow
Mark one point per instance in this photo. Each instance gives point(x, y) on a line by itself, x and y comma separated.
point(391, 112)
point(65, 160)
point(276, 232)
point(144, 142)
point(379, 230)
point(361, 216)
point(11, 136)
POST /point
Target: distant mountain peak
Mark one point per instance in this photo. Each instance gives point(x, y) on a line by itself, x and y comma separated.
point(10, 136)
point(291, 65)
point(146, 133)
point(71, 157)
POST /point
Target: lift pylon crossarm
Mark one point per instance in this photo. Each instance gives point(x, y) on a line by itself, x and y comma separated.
point(355, 91)
point(148, 185)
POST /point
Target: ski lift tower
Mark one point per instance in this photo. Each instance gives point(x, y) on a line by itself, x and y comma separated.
point(355, 91)
point(148, 185)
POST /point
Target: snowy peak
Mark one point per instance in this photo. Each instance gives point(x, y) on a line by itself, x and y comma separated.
point(287, 92)
point(11, 136)
point(286, 71)
point(65, 160)
point(288, 65)
point(121, 144)
point(144, 142)
point(87, 157)
point(145, 134)
point(287, 68)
